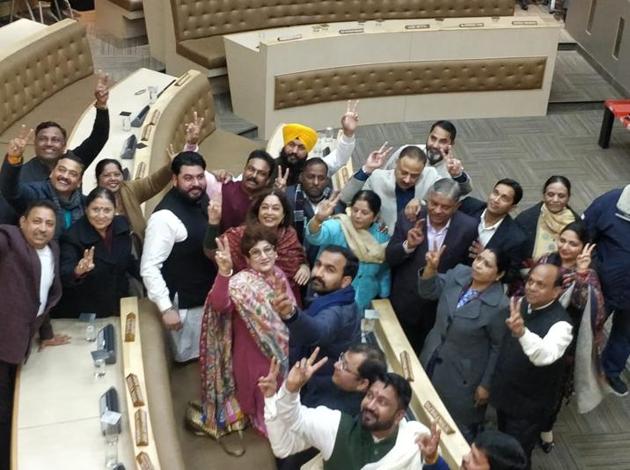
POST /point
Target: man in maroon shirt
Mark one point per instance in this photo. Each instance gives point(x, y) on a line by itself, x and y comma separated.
point(238, 195)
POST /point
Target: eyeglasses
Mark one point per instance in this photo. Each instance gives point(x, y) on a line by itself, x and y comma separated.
point(255, 253)
point(344, 365)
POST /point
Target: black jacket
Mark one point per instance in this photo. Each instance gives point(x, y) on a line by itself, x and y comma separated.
point(528, 221)
point(509, 239)
point(100, 290)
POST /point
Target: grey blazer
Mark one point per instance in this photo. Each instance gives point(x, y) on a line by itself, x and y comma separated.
point(466, 341)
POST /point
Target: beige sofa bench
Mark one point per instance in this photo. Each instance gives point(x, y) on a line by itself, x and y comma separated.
point(50, 77)
point(123, 19)
point(191, 36)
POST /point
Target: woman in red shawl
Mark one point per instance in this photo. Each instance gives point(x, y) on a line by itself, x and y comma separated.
point(272, 210)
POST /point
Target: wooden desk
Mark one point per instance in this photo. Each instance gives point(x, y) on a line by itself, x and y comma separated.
point(56, 410)
point(256, 58)
point(13, 34)
point(122, 97)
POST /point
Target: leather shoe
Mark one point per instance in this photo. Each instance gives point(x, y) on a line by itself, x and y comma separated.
point(547, 447)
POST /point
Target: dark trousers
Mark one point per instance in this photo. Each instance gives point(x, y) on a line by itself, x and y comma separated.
point(295, 461)
point(525, 430)
point(617, 349)
point(7, 387)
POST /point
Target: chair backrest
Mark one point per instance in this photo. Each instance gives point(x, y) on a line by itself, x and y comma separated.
point(195, 19)
point(48, 62)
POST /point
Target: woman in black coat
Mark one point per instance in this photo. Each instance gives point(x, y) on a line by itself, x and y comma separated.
point(96, 260)
point(543, 222)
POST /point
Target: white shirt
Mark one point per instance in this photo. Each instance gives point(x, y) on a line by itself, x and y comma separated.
point(486, 232)
point(292, 428)
point(436, 236)
point(164, 229)
point(547, 350)
point(47, 276)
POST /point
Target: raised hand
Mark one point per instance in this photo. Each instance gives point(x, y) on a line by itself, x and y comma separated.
point(18, 144)
point(268, 384)
point(283, 305)
point(302, 275)
point(475, 249)
point(215, 208)
point(303, 370)
point(85, 264)
point(326, 208)
point(412, 210)
point(377, 159)
point(281, 180)
point(101, 91)
point(57, 340)
point(515, 321)
point(429, 444)
point(453, 165)
point(583, 262)
point(415, 235)
point(223, 257)
point(193, 129)
point(223, 176)
point(482, 395)
point(350, 119)
point(432, 258)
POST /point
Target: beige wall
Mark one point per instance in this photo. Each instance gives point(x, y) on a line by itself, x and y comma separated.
point(600, 41)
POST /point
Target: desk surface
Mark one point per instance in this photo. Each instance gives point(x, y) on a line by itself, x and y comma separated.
point(122, 97)
point(269, 37)
point(15, 32)
point(57, 405)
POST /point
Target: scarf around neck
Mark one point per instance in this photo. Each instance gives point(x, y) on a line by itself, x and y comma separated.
point(549, 227)
point(318, 303)
point(361, 242)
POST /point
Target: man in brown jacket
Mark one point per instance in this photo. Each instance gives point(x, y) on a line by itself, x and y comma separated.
point(29, 287)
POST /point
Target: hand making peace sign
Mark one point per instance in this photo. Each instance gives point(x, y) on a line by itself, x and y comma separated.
point(193, 129)
point(18, 144)
point(515, 322)
point(101, 91)
point(377, 159)
point(303, 370)
point(326, 208)
point(85, 264)
point(281, 180)
point(350, 119)
point(583, 261)
point(223, 257)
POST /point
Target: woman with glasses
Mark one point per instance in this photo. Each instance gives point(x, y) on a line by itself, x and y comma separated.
point(241, 334)
point(460, 352)
point(96, 260)
point(271, 209)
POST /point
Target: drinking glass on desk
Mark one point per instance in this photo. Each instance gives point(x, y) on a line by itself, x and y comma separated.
point(99, 368)
point(111, 450)
point(153, 92)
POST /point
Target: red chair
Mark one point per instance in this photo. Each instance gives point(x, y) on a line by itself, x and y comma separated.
point(619, 109)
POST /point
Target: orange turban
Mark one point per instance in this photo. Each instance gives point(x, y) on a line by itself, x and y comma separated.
point(306, 135)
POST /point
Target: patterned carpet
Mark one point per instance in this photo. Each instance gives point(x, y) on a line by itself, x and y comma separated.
point(527, 149)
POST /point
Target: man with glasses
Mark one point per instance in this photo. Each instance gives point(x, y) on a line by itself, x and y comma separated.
point(332, 319)
point(174, 269)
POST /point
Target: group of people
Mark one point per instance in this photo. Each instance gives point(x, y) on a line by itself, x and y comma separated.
point(258, 276)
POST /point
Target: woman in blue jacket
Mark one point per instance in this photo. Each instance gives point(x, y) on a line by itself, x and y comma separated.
point(359, 233)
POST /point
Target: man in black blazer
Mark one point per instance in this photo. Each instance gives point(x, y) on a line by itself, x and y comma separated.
point(29, 287)
point(496, 228)
point(440, 223)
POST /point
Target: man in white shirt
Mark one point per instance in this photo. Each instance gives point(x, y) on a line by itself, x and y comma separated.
point(440, 155)
point(29, 287)
point(174, 269)
point(529, 379)
point(379, 437)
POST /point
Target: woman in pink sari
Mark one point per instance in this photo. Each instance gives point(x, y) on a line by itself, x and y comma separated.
point(241, 333)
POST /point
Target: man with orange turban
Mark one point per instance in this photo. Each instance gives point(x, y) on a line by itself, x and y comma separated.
point(299, 140)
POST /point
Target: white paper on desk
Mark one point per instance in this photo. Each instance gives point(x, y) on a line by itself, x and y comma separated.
point(110, 418)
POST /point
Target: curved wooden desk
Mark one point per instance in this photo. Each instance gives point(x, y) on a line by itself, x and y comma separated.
point(304, 73)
